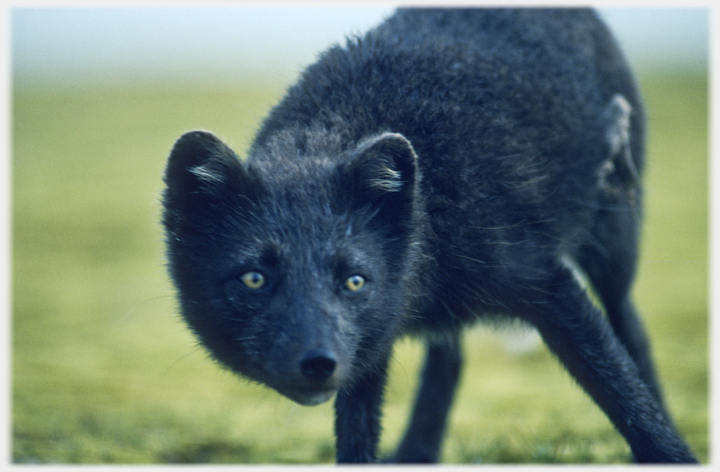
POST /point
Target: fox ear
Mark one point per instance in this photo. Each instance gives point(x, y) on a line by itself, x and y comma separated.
point(386, 164)
point(383, 174)
point(199, 161)
point(201, 169)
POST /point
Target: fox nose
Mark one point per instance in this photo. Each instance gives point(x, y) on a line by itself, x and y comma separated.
point(318, 364)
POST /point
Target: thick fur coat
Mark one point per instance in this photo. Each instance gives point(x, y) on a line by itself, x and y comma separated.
point(448, 166)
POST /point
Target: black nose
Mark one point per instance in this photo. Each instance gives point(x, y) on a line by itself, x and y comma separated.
point(318, 364)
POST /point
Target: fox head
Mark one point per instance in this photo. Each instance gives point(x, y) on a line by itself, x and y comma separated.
point(292, 269)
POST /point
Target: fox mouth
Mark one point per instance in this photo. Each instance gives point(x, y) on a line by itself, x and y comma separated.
point(309, 396)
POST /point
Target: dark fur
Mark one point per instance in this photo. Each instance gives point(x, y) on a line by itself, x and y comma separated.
point(465, 163)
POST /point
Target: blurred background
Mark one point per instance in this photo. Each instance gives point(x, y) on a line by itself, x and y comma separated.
point(101, 368)
point(61, 46)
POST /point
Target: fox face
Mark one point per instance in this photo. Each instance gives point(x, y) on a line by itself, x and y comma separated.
point(292, 278)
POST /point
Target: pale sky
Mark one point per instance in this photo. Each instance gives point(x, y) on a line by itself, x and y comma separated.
point(69, 44)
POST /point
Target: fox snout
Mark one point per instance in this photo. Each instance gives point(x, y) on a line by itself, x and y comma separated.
point(309, 362)
point(310, 378)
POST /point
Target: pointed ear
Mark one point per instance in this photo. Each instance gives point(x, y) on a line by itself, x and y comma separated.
point(201, 168)
point(206, 183)
point(199, 161)
point(383, 174)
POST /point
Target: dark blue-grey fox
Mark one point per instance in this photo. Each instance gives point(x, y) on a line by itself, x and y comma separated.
point(448, 166)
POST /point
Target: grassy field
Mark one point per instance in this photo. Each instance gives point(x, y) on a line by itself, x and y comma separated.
point(103, 370)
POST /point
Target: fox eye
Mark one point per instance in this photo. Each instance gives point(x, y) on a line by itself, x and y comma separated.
point(355, 283)
point(253, 280)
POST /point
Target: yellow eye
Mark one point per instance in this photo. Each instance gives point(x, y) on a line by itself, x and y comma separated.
point(253, 280)
point(355, 283)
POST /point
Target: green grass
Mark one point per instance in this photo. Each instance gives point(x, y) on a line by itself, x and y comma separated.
point(103, 370)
